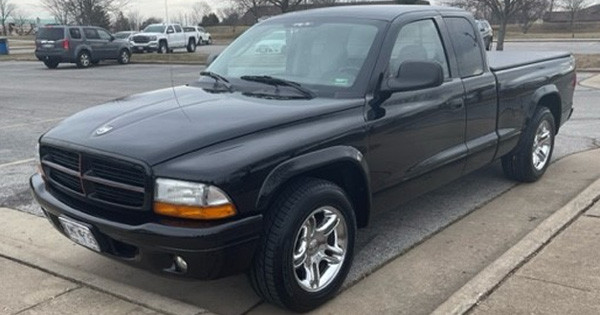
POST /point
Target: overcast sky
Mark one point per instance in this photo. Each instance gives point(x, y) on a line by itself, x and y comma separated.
point(146, 7)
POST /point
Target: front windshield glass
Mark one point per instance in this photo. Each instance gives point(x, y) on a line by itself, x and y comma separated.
point(326, 53)
point(155, 29)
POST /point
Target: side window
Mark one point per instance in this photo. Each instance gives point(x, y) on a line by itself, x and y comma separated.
point(91, 33)
point(177, 28)
point(466, 46)
point(418, 41)
point(75, 33)
point(104, 35)
point(170, 30)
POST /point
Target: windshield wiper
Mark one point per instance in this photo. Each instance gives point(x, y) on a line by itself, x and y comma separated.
point(219, 79)
point(279, 82)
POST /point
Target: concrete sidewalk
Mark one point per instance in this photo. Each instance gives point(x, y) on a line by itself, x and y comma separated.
point(41, 272)
point(564, 278)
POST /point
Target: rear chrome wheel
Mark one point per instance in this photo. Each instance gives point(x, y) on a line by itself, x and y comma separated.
point(530, 159)
point(84, 60)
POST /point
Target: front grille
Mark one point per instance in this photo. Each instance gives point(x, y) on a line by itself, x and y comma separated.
point(141, 39)
point(99, 181)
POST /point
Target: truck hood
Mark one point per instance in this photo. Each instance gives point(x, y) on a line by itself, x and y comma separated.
point(156, 126)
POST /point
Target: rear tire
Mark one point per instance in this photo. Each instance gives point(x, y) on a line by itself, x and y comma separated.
point(532, 156)
point(84, 59)
point(307, 245)
point(191, 47)
point(124, 57)
point(51, 64)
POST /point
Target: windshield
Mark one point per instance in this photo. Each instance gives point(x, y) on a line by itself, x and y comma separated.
point(52, 33)
point(321, 54)
point(155, 29)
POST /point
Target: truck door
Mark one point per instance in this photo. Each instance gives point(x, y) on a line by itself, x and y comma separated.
point(418, 134)
point(480, 92)
point(171, 37)
point(181, 38)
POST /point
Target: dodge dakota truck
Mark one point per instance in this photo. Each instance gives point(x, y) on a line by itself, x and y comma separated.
point(269, 163)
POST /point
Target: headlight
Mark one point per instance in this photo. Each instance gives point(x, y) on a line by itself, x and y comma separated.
point(191, 200)
point(153, 38)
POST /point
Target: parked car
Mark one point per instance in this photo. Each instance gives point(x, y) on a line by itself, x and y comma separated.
point(269, 163)
point(125, 35)
point(274, 43)
point(202, 36)
point(164, 38)
point(487, 33)
point(82, 45)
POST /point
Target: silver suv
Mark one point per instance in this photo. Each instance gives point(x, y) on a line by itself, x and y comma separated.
point(82, 45)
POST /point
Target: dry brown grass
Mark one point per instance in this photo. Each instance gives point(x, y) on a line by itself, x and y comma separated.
point(588, 61)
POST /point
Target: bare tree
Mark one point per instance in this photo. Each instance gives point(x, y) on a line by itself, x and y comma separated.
point(6, 10)
point(574, 7)
point(58, 9)
point(532, 11)
point(21, 19)
point(285, 5)
point(251, 6)
point(502, 10)
point(135, 19)
point(199, 10)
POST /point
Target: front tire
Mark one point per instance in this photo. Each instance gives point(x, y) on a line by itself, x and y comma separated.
point(307, 246)
point(84, 59)
point(532, 156)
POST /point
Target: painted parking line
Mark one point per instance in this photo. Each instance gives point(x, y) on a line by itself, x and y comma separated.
point(16, 163)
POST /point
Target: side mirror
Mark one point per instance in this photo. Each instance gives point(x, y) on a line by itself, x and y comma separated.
point(416, 75)
point(112, 38)
point(211, 58)
point(170, 31)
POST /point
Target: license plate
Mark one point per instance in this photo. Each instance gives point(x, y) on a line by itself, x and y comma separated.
point(79, 233)
point(47, 46)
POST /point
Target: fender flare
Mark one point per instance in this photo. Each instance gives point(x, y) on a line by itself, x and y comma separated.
point(541, 92)
point(308, 162)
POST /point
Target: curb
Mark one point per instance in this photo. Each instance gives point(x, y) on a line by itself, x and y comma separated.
point(484, 283)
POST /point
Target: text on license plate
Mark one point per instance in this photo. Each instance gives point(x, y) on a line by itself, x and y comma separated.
point(79, 233)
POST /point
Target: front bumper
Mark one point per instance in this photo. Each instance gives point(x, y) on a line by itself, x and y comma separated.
point(138, 47)
point(212, 251)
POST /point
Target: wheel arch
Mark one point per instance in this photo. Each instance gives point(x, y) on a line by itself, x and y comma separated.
point(549, 97)
point(343, 165)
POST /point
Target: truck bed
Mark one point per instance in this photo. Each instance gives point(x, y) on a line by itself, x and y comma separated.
point(501, 60)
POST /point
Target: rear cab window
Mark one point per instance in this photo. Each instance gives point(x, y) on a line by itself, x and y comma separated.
point(51, 33)
point(466, 46)
point(178, 29)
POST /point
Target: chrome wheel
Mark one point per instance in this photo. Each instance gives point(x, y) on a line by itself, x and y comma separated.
point(542, 145)
point(320, 248)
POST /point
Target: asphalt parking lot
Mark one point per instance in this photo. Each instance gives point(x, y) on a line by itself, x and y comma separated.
point(33, 99)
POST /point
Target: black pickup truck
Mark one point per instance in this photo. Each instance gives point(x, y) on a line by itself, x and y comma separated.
point(272, 159)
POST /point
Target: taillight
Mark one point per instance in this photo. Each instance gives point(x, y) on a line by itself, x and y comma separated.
point(66, 44)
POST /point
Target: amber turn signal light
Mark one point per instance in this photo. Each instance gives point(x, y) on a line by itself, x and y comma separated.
point(195, 212)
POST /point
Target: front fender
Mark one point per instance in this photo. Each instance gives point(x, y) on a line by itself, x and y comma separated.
point(309, 162)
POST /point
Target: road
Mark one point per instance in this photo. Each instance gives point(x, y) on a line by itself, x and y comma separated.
point(33, 99)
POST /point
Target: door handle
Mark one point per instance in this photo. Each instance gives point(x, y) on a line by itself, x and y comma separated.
point(453, 104)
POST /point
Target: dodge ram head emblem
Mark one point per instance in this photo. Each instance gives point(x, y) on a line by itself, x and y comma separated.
point(104, 129)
